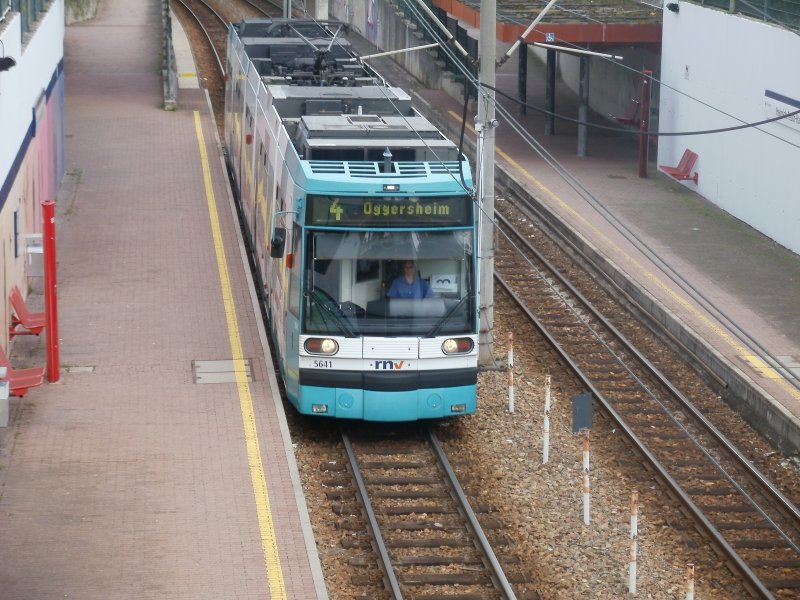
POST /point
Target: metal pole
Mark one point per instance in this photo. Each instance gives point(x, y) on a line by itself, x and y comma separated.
point(510, 372)
point(583, 106)
point(523, 78)
point(546, 442)
point(550, 93)
point(644, 123)
point(486, 120)
point(634, 546)
point(50, 295)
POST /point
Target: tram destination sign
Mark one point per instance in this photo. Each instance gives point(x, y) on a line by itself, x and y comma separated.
point(389, 211)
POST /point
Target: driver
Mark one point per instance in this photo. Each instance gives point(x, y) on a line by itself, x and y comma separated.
point(409, 284)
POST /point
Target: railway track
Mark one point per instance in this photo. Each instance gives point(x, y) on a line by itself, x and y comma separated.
point(420, 533)
point(748, 520)
point(213, 26)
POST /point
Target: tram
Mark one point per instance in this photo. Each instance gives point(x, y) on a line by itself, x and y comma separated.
point(360, 218)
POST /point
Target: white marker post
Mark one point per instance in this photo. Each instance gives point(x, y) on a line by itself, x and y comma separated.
point(510, 372)
point(546, 448)
point(689, 581)
point(586, 488)
point(634, 541)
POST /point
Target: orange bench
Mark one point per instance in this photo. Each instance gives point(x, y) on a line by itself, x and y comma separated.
point(20, 380)
point(684, 169)
point(631, 114)
point(32, 323)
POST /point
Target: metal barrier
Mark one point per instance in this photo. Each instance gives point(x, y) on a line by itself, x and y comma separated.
point(777, 12)
point(28, 10)
point(168, 67)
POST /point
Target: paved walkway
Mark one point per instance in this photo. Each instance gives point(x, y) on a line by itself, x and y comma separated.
point(131, 477)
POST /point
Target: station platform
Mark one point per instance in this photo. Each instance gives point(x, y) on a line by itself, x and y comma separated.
point(159, 465)
point(729, 293)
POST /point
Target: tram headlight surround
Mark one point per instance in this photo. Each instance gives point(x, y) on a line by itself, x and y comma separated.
point(321, 346)
point(458, 345)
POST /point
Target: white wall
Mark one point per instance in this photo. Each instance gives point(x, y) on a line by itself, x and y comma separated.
point(715, 63)
point(22, 85)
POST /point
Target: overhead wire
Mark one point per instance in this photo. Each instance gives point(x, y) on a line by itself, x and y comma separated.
point(650, 132)
point(584, 193)
point(739, 332)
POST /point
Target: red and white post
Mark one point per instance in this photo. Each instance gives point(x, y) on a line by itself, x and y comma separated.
point(690, 581)
point(586, 488)
point(546, 442)
point(634, 542)
point(510, 372)
point(50, 289)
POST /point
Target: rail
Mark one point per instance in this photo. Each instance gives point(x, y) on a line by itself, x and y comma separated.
point(654, 415)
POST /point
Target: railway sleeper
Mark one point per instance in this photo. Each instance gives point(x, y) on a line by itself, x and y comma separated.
point(465, 542)
point(774, 564)
point(340, 494)
point(710, 491)
point(383, 465)
point(410, 494)
point(460, 596)
point(739, 509)
point(419, 509)
point(401, 480)
point(750, 544)
point(333, 466)
point(739, 526)
point(481, 579)
point(488, 523)
point(781, 584)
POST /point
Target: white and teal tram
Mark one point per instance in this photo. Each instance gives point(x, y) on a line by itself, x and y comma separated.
point(341, 183)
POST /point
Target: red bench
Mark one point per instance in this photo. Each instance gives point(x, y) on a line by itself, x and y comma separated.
point(684, 169)
point(20, 380)
point(631, 115)
point(32, 323)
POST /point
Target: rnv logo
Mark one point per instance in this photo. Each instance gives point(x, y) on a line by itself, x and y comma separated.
point(388, 365)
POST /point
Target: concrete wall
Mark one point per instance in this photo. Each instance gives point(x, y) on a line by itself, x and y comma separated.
point(717, 71)
point(612, 84)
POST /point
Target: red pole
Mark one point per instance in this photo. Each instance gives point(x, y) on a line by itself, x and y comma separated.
point(50, 296)
point(644, 122)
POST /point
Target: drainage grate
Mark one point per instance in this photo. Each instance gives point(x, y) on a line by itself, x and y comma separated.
point(79, 369)
point(219, 371)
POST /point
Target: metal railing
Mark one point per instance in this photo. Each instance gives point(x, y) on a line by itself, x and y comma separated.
point(28, 9)
point(778, 12)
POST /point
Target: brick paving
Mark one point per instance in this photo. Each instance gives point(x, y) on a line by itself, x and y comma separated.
point(126, 479)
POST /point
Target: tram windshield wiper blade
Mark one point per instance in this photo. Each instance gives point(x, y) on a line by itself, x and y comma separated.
point(445, 318)
point(338, 319)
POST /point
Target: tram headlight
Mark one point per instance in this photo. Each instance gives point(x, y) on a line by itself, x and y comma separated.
point(325, 346)
point(457, 345)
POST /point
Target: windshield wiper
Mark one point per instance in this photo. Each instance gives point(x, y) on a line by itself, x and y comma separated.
point(323, 302)
point(445, 318)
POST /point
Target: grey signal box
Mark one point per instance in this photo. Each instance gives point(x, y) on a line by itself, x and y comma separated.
point(581, 412)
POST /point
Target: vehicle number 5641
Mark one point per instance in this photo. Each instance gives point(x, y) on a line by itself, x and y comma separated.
point(323, 364)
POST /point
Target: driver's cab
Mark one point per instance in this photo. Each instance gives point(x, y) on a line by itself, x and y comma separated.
point(349, 276)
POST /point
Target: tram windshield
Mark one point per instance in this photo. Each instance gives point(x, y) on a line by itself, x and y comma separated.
point(389, 283)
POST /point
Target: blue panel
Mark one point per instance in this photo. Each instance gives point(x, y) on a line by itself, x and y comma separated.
point(387, 406)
